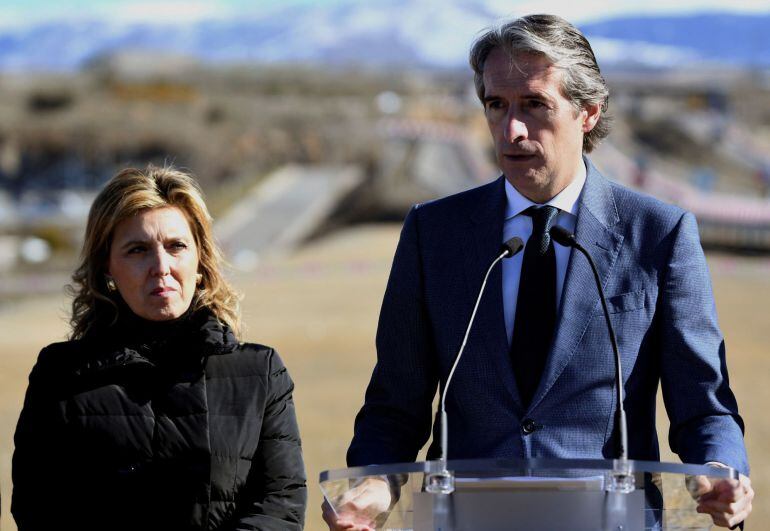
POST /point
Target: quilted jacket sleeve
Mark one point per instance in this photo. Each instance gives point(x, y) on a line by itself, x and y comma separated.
point(39, 460)
point(277, 482)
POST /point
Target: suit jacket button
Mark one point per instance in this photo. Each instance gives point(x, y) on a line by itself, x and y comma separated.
point(528, 426)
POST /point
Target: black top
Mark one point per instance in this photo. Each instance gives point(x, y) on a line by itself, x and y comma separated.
point(171, 425)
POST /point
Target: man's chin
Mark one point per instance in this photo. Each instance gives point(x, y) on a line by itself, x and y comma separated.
point(532, 184)
point(162, 312)
point(525, 177)
point(527, 166)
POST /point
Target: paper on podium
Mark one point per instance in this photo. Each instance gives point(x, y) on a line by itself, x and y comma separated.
point(529, 483)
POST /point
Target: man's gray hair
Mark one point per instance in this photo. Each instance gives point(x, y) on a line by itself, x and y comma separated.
point(565, 47)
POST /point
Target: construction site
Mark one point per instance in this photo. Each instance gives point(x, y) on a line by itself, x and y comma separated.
point(309, 173)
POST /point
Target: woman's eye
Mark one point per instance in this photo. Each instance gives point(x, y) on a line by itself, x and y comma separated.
point(136, 249)
point(178, 246)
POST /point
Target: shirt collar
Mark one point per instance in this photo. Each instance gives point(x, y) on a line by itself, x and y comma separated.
point(566, 200)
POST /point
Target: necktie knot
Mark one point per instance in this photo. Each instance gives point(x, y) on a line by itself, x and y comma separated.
point(542, 220)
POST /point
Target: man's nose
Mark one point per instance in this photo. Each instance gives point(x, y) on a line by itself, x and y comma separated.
point(161, 263)
point(515, 128)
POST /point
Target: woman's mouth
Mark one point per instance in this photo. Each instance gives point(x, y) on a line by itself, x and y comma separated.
point(162, 292)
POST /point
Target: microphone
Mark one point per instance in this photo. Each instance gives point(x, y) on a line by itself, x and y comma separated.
point(564, 237)
point(513, 246)
point(443, 482)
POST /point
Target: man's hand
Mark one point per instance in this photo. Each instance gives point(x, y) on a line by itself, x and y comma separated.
point(727, 501)
point(359, 507)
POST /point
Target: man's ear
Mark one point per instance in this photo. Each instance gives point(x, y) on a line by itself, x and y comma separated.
point(591, 115)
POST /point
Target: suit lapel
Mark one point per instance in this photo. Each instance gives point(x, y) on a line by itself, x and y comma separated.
point(487, 230)
point(597, 215)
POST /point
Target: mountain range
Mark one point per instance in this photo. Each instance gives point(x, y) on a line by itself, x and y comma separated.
point(412, 33)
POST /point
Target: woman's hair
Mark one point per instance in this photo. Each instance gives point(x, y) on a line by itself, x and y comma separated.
point(126, 194)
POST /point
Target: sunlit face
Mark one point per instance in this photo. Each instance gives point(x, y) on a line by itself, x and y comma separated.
point(154, 262)
point(537, 132)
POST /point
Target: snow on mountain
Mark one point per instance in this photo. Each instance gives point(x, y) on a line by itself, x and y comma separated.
point(387, 32)
point(742, 40)
point(631, 53)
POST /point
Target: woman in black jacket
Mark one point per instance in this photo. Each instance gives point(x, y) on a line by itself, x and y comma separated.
point(153, 415)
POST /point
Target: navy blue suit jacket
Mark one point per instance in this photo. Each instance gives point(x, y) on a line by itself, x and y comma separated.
point(659, 293)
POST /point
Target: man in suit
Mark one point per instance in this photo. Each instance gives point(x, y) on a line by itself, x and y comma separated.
point(537, 375)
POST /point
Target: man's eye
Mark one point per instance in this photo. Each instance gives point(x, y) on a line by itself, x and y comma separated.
point(136, 249)
point(494, 105)
point(535, 104)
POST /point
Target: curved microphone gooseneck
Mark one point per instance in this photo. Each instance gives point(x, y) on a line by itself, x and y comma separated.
point(563, 237)
point(510, 248)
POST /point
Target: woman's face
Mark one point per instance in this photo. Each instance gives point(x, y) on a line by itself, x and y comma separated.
point(154, 262)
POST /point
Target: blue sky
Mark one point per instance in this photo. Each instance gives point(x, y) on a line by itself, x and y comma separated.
point(24, 12)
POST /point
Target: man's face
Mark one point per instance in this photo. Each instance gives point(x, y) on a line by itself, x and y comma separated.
point(538, 134)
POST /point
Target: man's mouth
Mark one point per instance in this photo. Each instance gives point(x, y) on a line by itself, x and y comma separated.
point(518, 156)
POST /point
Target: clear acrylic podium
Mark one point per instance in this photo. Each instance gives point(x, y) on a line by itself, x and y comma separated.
point(492, 495)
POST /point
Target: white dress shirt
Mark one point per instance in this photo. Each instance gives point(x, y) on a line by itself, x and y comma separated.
point(519, 224)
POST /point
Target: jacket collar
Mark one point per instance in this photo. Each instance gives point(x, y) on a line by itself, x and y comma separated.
point(598, 199)
point(597, 217)
point(134, 342)
point(596, 230)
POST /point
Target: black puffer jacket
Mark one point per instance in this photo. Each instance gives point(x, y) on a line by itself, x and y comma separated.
point(171, 426)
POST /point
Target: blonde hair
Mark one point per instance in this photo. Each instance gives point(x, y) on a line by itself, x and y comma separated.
point(126, 194)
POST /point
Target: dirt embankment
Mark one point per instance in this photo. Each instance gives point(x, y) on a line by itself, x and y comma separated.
point(319, 309)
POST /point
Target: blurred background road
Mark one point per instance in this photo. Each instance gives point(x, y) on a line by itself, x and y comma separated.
point(314, 125)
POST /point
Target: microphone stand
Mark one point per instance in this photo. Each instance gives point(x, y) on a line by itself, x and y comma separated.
point(621, 480)
point(443, 481)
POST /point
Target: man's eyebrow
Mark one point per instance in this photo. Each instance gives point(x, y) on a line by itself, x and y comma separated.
point(540, 96)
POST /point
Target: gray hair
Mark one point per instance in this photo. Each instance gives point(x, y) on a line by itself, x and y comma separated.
point(565, 47)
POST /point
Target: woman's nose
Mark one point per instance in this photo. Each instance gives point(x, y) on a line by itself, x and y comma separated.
point(161, 263)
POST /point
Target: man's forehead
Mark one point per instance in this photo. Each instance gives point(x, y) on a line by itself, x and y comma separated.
point(504, 68)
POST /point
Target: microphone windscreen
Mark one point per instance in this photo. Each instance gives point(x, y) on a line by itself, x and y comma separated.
point(513, 246)
point(562, 236)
